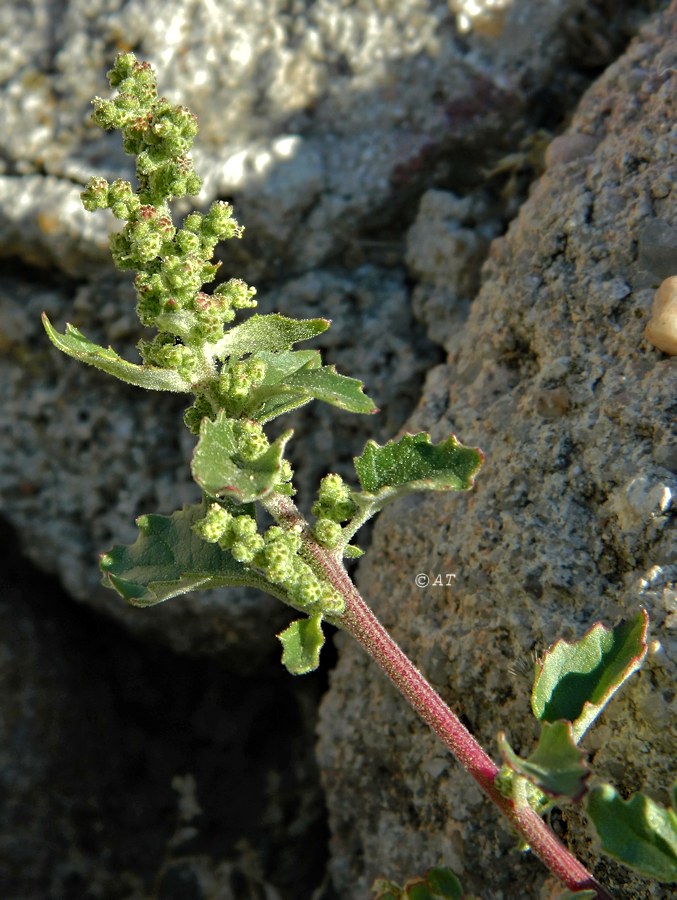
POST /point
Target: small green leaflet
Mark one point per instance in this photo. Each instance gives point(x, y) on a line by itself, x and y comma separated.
point(168, 559)
point(293, 378)
point(301, 645)
point(75, 344)
point(557, 767)
point(637, 832)
point(220, 471)
point(270, 333)
point(576, 681)
point(326, 384)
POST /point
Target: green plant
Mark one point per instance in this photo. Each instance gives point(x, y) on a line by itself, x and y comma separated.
point(243, 376)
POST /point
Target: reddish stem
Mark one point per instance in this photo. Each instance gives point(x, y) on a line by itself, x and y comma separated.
point(360, 621)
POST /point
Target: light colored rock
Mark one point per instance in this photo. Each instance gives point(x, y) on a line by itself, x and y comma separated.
point(323, 124)
point(571, 521)
point(661, 329)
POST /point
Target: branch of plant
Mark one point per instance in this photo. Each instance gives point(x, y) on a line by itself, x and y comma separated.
point(359, 620)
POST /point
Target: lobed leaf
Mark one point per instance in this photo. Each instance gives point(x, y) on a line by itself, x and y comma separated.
point(557, 767)
point(326, 384)
point(409, 464)
point(575, 681)
point(219, 470)
point(301, 645)
point(413, 463)
point(637, 832)
point(75, 344)
point(294, 378)
point(168, 559)
point(272, 333)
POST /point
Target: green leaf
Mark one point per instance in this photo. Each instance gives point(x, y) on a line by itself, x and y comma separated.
point(277, 402)
point(221, 472)
point(280, 366)
point(409, 464)
point(75, 344)
point(301, 645)
point(638, 832)
point(267, 333)
point(444, 883)
point(413, 463)
point(556, 766)
point(576, 681)
point(326, 384)
point(168, 559)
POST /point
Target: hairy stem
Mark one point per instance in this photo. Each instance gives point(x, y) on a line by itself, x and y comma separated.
point(365, 627)
point(360, 621)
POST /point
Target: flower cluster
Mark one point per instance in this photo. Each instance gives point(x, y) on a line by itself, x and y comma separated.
point(172, 264)
point(276, 553)
point(334, 505)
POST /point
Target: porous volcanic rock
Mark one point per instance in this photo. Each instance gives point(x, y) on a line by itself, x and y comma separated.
point(571, 520)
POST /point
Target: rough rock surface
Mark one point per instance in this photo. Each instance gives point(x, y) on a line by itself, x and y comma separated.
point(572, 519)
point(127, 773)
point(323, 123)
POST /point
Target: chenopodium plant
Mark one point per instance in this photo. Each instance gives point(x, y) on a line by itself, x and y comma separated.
point(241, 377)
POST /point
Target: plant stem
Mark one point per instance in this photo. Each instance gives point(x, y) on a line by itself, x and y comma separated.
point(360, 621)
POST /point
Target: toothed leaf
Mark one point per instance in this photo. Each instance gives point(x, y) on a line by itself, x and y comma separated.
point(557, 767)
point(168, 559)
point(220, 470)
point(637, 832)
point(75, 344)
point(413, 463)
point(326, 384)
point(575, 681)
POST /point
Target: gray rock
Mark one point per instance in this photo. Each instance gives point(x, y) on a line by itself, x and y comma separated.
point(324, 124)
point(571, 521)
point(129, 773)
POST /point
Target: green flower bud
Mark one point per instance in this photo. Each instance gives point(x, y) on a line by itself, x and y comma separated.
point(95, 195)
point(331, 601)
point(219, 222)
point(201, 409)
point(214, 525)
point(286, 471)
point(328, 532)
point(236, 294)
point(334, 500)
point(187, 242)
point(251, 440)
point(306, 590)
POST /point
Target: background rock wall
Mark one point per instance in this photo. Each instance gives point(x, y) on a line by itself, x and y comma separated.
point(373, 152)
point(572, 518)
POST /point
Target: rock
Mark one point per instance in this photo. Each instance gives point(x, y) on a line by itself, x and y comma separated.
point(127, 772)
point(571, 520)
point(324, 137)
point(661, 329)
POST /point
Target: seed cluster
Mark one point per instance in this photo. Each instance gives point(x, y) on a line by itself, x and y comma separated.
point(172, 264)
point(276, 553)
